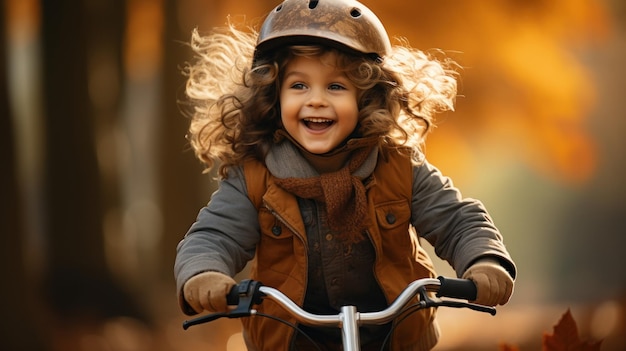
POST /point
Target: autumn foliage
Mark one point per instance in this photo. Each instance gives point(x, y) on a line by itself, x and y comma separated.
point(564, 338)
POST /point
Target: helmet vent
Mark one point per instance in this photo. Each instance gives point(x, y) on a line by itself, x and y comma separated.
point(356, 13)
point(313, 4)
point(279, 7)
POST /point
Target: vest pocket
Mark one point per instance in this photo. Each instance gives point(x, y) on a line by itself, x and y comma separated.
point(272, 227)
point(392, 216)
point(393, 219)
point(275, 251)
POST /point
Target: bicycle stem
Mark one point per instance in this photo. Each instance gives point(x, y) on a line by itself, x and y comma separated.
point(350, 328)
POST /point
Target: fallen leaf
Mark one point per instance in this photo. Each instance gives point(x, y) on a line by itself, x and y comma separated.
point(507, 347)
point(565, 337)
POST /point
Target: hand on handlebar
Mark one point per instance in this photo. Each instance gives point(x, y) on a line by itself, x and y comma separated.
point(494, 284)
point(251, 292)
point(207, 291)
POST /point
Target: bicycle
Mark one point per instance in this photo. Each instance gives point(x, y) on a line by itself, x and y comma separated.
point(449, 292)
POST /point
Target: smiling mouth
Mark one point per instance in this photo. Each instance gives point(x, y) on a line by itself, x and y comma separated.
point(317, 123)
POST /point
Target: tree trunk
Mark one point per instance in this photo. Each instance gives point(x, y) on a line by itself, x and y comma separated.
point(183, 188)
point(17, 329)
point(80, 38)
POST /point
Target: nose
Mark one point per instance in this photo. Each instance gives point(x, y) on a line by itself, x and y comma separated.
point(317, 98)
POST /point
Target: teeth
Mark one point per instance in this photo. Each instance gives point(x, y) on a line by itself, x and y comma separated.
point(318, 120)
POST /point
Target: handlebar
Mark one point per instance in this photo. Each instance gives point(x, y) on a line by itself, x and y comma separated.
point(464, 289)
point(250, 292)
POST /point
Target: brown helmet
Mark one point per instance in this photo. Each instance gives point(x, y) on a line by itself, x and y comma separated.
point(343, 24)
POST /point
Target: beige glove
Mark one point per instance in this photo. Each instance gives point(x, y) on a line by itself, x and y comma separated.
point(493, 283)
point(207, 291)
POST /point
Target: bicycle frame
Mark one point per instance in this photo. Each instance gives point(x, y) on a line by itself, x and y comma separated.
point(248, 293)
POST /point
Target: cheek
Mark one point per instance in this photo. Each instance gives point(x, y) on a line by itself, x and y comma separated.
point(288, 115)
point(285, 107)
point(351, 113)
point(284, 113)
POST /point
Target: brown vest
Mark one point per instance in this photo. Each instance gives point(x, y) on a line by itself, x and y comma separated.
point(281, 256)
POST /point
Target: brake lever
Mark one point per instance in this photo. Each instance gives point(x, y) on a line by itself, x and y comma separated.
point(203, 319)
point(245, 294)
point(427, 301)
point(481, 308)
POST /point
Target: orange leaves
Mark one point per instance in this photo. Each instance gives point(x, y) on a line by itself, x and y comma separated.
point(507, 347)
point(564, 338)
point(528, 82)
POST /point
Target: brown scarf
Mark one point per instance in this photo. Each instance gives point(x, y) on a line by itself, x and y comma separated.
point(341, 191)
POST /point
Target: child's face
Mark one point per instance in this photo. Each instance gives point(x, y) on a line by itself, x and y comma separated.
point(318, 103)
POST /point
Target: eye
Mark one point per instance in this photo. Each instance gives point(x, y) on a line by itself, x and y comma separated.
point(336, 86)
point(297, 86)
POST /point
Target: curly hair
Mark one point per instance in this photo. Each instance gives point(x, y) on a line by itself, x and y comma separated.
point(236, 109)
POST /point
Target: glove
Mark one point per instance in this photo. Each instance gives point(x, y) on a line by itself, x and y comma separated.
point(494, 284)
point(207, 291)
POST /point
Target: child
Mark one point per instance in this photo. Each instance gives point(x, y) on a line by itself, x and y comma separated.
point(317, 123)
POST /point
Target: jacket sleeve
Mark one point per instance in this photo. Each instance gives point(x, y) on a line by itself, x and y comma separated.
point(460, 229)
point(223, 237)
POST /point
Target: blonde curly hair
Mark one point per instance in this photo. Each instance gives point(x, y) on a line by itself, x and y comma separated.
point(235, 106)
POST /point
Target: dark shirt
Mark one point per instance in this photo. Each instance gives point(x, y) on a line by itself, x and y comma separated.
point(339, 274)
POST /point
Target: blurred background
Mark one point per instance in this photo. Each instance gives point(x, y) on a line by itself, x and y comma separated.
point(98, 183)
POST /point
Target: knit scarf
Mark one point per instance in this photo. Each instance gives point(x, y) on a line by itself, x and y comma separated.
point(341, 191)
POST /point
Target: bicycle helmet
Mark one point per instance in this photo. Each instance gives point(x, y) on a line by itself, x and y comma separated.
point(343, 24)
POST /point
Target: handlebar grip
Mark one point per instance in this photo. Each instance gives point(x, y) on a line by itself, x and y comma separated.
point(457, 288)
point(233, 296)
point(246, 292)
